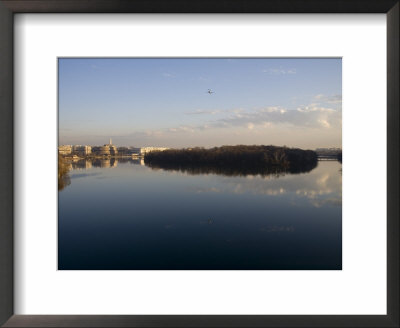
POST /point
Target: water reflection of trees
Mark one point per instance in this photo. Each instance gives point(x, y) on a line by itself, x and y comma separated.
point(232, 170)
point(63, 169)
point(67, 164)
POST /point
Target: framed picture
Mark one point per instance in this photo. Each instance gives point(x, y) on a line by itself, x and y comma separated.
point(199, 163)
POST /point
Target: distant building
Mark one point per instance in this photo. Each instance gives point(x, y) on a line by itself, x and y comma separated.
point(128, 151)
point(135, 151)
point(81, 150)
point(113, 150)
point(105, 150)
point(123, 150)
point(65, 150)
point(101, 150)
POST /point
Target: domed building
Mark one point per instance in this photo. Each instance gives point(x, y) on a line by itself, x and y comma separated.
point(113, 149)
point(106, 150)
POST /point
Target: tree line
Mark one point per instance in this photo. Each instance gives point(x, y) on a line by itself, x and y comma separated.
point(235, 160)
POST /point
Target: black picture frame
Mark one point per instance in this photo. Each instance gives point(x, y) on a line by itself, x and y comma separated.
point(10, 7)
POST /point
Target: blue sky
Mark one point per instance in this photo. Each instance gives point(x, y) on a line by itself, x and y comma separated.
point(164, 102)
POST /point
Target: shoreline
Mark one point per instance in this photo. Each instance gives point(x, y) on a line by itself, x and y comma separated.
point(76, 157)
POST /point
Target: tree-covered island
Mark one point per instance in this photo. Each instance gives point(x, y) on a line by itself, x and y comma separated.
point(234, 160)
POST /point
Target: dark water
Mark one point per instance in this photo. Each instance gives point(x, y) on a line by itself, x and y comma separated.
point(118, 215)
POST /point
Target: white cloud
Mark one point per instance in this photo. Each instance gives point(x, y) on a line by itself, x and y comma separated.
point(204, 112)
point(311, 116)
point(279, 124)
point(324, 123)
point(333, 99)
point(166, 74)
point(250, 126)
point(215, 111)
point(154, 133)
point(279, 71)
point(336, 99)
point(181, 129)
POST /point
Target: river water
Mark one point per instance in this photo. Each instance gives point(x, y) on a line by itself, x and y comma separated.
point(123, 215)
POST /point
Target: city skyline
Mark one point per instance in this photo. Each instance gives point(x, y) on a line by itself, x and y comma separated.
point(165, 102)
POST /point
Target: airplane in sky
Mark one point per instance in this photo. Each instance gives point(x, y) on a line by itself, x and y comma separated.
point(210, 91)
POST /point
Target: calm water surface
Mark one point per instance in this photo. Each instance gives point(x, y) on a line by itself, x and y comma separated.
point(118, 215)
